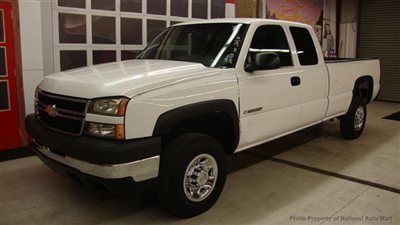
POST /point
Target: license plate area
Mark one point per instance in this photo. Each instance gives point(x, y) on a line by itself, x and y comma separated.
point(42, 148)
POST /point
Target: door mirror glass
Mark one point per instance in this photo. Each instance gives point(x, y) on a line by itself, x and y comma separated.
point(262, 61)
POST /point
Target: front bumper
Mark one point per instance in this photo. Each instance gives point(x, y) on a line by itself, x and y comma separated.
point(140, 170)
point(101, 159)
point(115, 186)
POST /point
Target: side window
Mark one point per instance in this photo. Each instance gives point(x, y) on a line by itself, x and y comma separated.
point(304, 45)
point(272, 38)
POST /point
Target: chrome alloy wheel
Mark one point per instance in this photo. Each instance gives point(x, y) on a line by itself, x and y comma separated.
point(200, 177)
point(359, 118)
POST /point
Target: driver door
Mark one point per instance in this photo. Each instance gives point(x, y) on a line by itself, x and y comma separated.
point(270, 100)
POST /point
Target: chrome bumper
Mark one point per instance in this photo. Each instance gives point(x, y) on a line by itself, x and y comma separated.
point(140, 170)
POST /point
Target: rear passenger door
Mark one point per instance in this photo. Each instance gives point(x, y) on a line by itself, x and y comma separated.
point(313, 75)
point(269, 100)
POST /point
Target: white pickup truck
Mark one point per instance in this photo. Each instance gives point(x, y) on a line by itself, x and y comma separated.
point(198, 92)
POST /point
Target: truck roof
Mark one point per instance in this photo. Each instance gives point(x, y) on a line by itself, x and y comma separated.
point(241, 20)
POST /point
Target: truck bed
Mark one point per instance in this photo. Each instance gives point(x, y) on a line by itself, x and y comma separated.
point(343, 74)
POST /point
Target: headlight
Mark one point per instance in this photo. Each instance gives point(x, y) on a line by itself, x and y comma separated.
point(114, 106)
point(114, 131)
point(109, 106)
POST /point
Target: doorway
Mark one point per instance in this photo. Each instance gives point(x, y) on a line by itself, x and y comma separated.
point(9, 112)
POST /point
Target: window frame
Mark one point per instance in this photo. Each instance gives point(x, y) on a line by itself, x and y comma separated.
point(288, 40)
point(295, 48)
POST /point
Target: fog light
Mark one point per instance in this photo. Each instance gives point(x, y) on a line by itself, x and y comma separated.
point(115, 131)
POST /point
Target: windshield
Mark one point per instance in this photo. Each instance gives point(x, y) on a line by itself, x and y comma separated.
point(213, 44)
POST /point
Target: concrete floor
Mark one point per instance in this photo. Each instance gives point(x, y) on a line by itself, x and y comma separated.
point(259, 190)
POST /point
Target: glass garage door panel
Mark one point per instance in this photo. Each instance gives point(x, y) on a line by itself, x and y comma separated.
point(158, 7)
point(103, 30)
point(104, 56)
point(127, 54)
point(131, 31)
point(131, 6)
point(199, 9)
point(154, 28)
point(103, 4)
point(70, 59)
point(218, 9)
point(72, 28)
point(74, 3)
point(179, 8)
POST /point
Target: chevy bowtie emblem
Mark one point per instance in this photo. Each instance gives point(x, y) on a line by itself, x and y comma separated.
point(51, 110)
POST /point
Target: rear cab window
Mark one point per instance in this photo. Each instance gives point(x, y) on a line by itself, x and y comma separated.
point(272, 38)
point(305, 47)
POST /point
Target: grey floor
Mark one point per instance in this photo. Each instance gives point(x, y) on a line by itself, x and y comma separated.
point(259, 189)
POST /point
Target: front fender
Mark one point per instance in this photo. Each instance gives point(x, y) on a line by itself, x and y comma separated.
point(168, 119)
point(144, 111)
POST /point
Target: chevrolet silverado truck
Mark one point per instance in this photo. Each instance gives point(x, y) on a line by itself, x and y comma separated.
point(198, 92)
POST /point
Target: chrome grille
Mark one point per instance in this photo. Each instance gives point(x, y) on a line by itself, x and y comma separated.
point(61, 113)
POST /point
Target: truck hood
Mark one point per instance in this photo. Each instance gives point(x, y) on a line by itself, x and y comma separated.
point(127, 78)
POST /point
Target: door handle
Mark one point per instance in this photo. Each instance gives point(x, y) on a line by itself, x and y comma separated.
point(295, 81)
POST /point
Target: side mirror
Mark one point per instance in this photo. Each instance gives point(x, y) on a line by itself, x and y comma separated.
point(263, 61)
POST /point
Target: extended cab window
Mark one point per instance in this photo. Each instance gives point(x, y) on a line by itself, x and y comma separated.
point(304, 45)
point(272, 38)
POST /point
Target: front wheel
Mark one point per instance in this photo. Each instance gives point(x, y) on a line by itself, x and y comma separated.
point(192, 174)
point(352, 124)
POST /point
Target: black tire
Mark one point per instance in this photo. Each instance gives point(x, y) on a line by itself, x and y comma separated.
point(174, 163)
point(349, 127)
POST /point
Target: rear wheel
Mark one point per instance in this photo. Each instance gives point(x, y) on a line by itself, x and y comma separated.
point(192, 174)
point(352, 124)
